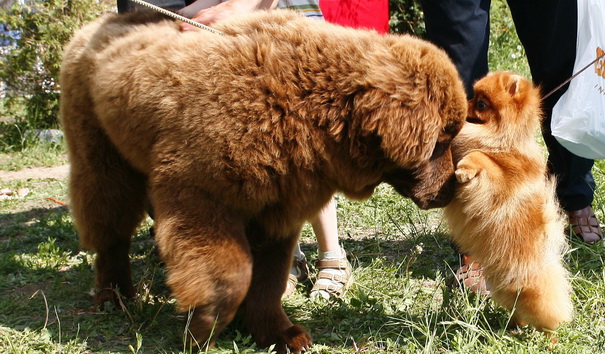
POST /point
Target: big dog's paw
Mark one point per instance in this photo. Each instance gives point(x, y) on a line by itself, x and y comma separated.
point(110, 295)
point(295, 339)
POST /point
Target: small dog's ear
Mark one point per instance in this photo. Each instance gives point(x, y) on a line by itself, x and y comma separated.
point(513, 84)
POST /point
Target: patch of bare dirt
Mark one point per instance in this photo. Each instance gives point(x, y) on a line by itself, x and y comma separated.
point(55, 172)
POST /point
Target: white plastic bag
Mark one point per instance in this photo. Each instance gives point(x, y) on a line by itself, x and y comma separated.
point(578, 118)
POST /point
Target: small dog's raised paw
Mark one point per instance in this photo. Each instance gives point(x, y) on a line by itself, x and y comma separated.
point(463, 174)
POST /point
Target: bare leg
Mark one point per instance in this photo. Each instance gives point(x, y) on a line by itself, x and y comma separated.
point(334, 269)
point(325, 227)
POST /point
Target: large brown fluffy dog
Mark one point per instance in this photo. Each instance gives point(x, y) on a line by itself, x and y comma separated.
point(505, 212)
point(237, 139)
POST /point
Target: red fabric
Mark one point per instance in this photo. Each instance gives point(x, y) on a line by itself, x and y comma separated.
point(371, 14)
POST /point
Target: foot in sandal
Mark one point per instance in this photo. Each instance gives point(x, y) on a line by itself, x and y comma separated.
point(585, 225)
point(470, 275)
point(334, 275)
point(299, 272)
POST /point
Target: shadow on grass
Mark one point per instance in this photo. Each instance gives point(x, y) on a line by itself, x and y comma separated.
point(46, 283)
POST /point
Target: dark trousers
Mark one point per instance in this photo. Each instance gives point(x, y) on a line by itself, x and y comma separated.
point(461, 28)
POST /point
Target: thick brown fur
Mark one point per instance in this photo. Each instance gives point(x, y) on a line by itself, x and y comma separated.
point(505, 213)
point(236, 140)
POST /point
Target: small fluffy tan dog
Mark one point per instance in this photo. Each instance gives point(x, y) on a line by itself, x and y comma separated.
point(505, 213)
point(236, 140)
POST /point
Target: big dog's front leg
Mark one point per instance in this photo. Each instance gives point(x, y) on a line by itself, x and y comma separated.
point(207, 257)
point(263, 314)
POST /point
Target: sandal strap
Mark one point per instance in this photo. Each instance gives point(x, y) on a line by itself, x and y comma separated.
point(340, 263)
point(339, 278)
point(290, 285)
point(330, 288)
point(471, 276)
point(338, 282)
point(585, 224)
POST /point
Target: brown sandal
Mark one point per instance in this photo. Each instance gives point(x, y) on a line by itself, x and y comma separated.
point(290, 285)
point(302, 270)
point(470, 276)
point(585, 225)
point(329, 283)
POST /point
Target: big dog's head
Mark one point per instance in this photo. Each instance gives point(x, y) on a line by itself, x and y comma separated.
point(391, 103)
point(415, 104)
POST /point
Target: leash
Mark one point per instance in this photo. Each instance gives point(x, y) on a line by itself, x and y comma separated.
point(573, 76)
point(176, 16)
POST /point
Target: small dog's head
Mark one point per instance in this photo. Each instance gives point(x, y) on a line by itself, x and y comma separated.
point(504, 111)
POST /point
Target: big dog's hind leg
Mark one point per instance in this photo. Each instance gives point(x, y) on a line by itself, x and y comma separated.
point(263, 314)
point(207, 256)
point(107, 203)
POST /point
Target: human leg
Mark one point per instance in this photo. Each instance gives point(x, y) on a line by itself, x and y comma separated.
point(334, 274)
point(461, 28)
point(550, 45)
point(325, 227)
point(298, 272)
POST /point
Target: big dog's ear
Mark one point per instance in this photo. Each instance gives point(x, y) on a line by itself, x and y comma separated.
point(407, 132)
point(411, 93)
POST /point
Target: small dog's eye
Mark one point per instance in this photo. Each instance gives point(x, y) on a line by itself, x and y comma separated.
point(481, 106)
point(474, 120)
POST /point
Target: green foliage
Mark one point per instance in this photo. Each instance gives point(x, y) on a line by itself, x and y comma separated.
point(505, 50)
point(406, 17)
point(30, 71)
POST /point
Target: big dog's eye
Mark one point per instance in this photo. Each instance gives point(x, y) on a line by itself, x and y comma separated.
point(481, 106)
point(440, 148)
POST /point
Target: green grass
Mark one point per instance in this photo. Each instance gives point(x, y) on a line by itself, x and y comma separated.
point(400, 302)
point(33, 154)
